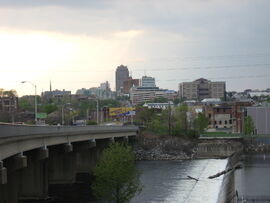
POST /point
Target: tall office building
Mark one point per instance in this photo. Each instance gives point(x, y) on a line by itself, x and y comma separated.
point(128, 83)
point(148, 82)
point(201, 89)
point(121, 75)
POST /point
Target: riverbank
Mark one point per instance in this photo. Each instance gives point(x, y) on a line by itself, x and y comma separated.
point(151, 147)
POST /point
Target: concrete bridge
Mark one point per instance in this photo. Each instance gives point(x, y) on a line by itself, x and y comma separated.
point(35, 161)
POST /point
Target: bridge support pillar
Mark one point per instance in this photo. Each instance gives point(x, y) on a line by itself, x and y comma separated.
point(10, 191)
point(41, 154)
point(68, 147)
point(3, 182)
point(3, 174)
point(62, 166)
point(126, 139)
point(111, 140)
point(16, 162)
point(34, 178)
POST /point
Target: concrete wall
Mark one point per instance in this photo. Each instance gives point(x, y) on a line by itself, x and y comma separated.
point(218, 148)
point(227, 192)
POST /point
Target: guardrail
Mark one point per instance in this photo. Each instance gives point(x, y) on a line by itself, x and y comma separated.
point(21, 130)
point(233, 135)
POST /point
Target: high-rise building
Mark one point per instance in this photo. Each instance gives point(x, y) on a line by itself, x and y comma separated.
point(105, 86)
point(128, 83)
point(121, 75)
point(101, 92)
point(201, 89)
point(148, 81)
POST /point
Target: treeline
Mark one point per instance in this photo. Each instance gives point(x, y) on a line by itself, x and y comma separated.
point(175, 121)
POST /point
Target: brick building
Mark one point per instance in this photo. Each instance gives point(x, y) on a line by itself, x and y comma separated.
point(201, 89)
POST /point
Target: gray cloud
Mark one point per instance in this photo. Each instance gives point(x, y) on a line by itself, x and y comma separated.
point(66, 3)
point(172, 28)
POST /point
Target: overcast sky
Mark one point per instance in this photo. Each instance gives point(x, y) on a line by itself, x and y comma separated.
point(79, 44)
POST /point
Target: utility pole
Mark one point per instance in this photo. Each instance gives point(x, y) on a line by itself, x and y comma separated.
point(170, 118)
point(97, 112)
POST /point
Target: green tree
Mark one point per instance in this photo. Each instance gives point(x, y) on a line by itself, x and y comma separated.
point(49, 108)
point(176, 101)
point(117, 178)
point(181, 117)
point(144, 115)
point(248, 125)
point(160, 100)
point(201, 122)
point(26, 103)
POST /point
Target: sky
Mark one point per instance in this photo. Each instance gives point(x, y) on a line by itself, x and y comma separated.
point(79, 44)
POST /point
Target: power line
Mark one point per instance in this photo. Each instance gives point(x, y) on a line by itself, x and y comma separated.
point(220, 78)
point(155, 69)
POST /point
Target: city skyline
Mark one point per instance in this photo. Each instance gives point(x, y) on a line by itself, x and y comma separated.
point(80, 44)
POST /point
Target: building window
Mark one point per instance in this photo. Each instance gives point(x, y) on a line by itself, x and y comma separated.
point(215, 122)
point(225, 122)
point(220, 122)
point(209, 115)
point(230, 121)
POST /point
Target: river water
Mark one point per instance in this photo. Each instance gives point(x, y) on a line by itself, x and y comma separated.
point(252, 181)
point(166, 181)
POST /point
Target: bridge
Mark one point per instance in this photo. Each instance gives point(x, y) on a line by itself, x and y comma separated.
point(36, 160)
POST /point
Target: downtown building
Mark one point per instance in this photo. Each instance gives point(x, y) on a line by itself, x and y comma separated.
point(201, 89)
point(121, 74)
point(148, 92)
point(102, 92)
point(148, 82)
point(129, 83)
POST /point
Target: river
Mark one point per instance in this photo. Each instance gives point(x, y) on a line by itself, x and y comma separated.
point(252, 181)
point(166, 181)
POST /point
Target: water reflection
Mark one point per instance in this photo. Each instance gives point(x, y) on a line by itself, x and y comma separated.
point(166, 181)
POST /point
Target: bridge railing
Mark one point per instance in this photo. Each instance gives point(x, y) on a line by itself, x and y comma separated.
point(21, 130)
point(232, 135)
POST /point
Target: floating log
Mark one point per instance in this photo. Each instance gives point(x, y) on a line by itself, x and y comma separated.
point(238, 166)
point(193, 178)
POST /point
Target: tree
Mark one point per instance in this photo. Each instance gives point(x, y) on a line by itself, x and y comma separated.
point(144, 115)
point(49, 108)
point(181, 117)
point(249, 125)
point(201, 122)
point(117, 178)
point(160, 100)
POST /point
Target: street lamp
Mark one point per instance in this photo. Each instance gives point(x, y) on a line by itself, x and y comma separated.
point(35, 98)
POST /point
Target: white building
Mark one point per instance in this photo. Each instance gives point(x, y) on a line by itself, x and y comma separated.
point(145, 94)
point(148, 82)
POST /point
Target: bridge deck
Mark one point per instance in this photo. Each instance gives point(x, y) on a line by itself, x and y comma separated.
point(19, 138)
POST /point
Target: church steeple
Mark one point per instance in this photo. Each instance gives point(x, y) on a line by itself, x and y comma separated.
point(50, 98)
point(50, 86)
